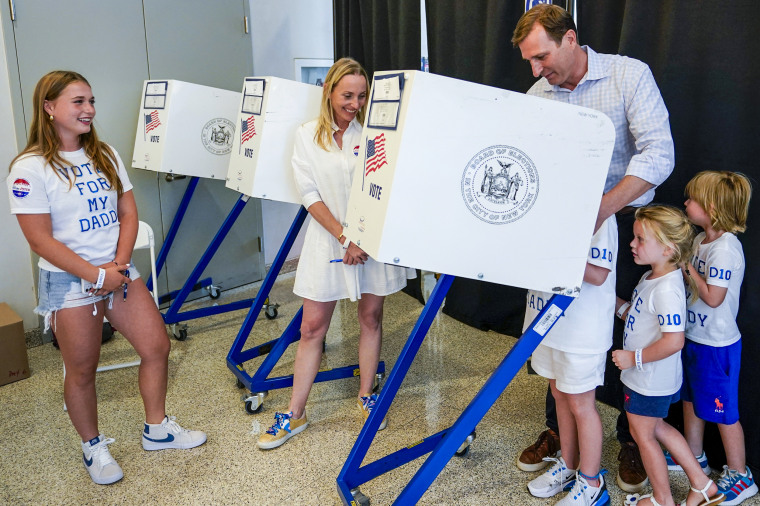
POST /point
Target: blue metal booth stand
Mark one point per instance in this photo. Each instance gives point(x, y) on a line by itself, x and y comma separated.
point(259, 384)
point(457, 438)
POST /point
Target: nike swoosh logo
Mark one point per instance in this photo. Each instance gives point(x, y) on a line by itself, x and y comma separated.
point(168, 439)
point(88, 463)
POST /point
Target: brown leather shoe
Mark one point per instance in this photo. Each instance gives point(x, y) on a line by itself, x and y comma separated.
point(631, 474)
point(532, 458)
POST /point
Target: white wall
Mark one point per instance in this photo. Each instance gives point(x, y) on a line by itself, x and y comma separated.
point(16, 276)
point(282, 31)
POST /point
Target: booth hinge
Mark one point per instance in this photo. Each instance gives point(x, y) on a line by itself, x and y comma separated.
point(245, 23)
point(258, 239)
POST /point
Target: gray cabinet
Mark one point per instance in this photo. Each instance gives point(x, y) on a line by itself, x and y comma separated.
point(116, 45)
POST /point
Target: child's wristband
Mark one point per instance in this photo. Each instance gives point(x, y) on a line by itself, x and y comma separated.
point(101, 279)
point(622, 309)
point(639, 364)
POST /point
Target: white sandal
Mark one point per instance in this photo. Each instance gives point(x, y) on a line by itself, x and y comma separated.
point(632, 499)
point(716, 499)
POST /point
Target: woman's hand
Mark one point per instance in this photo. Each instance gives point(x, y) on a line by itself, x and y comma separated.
point(624, 359)
point(354, 255)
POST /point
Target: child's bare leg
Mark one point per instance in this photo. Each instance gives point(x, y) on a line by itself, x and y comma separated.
point(643, 430)
point(733, 442)
point(567, 427)
point(589, 425)
point(694, 428)
point(679, 449)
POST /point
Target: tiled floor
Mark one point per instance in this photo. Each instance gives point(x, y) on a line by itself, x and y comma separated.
point(40, 457)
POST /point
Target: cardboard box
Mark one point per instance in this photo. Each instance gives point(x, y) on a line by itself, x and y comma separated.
point(14, 364)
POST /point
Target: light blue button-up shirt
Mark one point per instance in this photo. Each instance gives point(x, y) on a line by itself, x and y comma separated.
point(624, 89)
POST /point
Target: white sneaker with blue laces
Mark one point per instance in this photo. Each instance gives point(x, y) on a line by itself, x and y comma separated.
point(169, 434)
point(98, 461)
point(554, 480)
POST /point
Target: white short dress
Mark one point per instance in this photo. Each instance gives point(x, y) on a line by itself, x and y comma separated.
point(326, 176)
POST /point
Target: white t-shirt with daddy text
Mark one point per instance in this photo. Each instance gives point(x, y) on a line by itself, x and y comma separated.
point(658, 305)
point(84, 216)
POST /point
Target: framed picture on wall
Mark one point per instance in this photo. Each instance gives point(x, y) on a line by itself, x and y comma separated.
point(312, 70)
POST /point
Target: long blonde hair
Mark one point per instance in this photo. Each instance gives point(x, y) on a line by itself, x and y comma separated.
point(340, 69)
point(724, 196)
point(671, 227)
point(44, 141)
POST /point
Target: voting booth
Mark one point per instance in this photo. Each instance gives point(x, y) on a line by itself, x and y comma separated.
point(479, 182)
point(185, 129)
point(473, 181)
point(270, 111)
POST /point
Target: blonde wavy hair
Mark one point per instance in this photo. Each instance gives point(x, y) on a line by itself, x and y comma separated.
point(671, 227)
point(44, 141)
point(724, 196)
point(340, 69)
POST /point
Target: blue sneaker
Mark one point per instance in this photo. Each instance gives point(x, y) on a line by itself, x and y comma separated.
point(735, 486)
point(675, 466)
point(583, 494)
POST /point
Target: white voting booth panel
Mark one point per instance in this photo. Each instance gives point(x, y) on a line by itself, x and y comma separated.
point(185, 129)
point(479, 182)
point(270, 111)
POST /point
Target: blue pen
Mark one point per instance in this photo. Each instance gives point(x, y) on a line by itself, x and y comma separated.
point(126, 273)
point(336, 260)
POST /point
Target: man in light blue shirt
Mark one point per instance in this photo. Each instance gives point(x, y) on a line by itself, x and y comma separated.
point(624, 89)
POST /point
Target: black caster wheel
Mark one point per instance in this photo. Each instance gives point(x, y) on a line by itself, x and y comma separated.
point(107, 332)
point(182, 335)
point(270, 312)
point(464, 449)
point(359, 498)
point(250, 409)
point(214, 292)
point(239, 383)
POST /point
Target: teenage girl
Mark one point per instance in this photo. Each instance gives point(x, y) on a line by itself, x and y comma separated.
point(74, 203)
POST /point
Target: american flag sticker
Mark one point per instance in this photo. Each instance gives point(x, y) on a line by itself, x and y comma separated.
point(247, 129)
point(151, 121)
point(375, 154)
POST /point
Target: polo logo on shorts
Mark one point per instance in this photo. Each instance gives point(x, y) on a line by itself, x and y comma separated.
point(718, 405)
point(21, 188)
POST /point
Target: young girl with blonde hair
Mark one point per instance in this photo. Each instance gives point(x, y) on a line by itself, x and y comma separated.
point(650, 362)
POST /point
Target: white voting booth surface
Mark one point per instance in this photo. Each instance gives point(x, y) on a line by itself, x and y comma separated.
point(270, 111)
point(479, 182)
point(185, 129)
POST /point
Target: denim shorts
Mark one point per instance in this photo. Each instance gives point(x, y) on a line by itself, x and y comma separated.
point(656, 406)
point(61, 290)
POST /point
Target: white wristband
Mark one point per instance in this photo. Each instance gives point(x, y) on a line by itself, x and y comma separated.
point(622, 309)
point(639, 364)
point(101, 279)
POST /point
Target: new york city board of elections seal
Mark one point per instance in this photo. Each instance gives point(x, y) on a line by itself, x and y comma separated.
point(500, 184)
point(217, 136)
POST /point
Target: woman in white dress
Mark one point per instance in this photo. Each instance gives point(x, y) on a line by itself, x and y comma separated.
point(331, 267)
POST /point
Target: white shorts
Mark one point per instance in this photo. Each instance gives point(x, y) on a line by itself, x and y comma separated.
point(574, 373)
